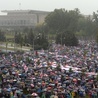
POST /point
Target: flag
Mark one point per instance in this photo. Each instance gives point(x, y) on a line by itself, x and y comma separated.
point(25, 67)
point(3, 57)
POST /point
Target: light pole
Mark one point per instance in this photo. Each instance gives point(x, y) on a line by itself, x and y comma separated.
point(34, 37)
point(48, 47)
point(33, 46)
point(61, 38)
point(6, 45)
point(14, 40)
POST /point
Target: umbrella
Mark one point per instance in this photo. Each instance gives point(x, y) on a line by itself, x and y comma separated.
point(9, 89)
point(14, 88)
point(4, 71)
point(2, 66)
point(18, 92)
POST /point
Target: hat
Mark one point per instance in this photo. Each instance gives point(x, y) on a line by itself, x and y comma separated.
point(34, 94)
point(32, 85)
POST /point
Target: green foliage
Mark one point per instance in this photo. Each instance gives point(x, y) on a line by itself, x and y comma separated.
point(70, 70)
point(2, 36)
point(38, 62)
point(55, 20)
point(25, 39)
point(86, 26)
point(95, 18)
point(37, 41)
point(70, 39)
point(30, 37)
point(61, 24)
point(19, 38)
point(97, 77)
point(41, 42)
point(85, 53)
point(41, 28)
point(58, 67)
point(67, 38)
point(97, 38)
point(61, 20)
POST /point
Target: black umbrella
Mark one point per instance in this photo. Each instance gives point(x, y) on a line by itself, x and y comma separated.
point(2, 66)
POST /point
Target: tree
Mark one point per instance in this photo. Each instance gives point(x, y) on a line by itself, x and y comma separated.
point(41, 41)
point(35, 39)
point(86, 27)
point(97, 77)
point(95, 21)
point(71, 39)
point(70, 70)
point(55, 20)
point(19, 39)
point(95, 17)
point(41, 28)
point(25, 39)
point(68, 38)
point(61, 20)
point(2, 36)
point(30, 37)
point(96, 38)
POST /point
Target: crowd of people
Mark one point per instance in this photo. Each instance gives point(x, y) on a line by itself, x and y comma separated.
point(60, 72)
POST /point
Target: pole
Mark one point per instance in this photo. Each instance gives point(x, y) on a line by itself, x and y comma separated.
point(6, 45)
point(14, 42)
point(61, 38)
point(48, 48)
point(33, 47)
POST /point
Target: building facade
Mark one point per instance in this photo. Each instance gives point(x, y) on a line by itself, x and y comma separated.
point(22, 18)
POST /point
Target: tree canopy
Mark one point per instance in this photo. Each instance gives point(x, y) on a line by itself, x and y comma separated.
point(61, 20)
point(60, 25)
point(2, 36)
point(67, 38)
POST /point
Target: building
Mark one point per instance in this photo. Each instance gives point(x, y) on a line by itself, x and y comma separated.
point(22, 18)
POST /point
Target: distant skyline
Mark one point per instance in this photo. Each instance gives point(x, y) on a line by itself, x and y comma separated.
point(86, 7)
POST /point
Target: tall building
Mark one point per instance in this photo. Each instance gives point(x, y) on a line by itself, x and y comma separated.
point(22, 18)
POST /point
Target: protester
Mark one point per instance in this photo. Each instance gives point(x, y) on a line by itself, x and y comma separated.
point(64, 72)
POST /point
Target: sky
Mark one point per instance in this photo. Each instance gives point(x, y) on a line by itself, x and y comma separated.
point(86, 7)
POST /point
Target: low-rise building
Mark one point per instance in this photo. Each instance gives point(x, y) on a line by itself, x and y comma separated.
point(22, 18)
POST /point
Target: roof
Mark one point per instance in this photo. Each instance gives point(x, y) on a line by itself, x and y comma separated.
point(23, 11)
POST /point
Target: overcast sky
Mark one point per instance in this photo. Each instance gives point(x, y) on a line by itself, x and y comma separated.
point(85, 6)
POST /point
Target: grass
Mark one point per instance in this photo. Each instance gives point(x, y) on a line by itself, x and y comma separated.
point(11, 47)
point(9, 35)
point(10, 44)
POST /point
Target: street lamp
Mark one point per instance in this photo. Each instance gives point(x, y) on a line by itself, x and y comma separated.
point(6, 45)
point(33, 46)
point(61, 38)
point(14, 40)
